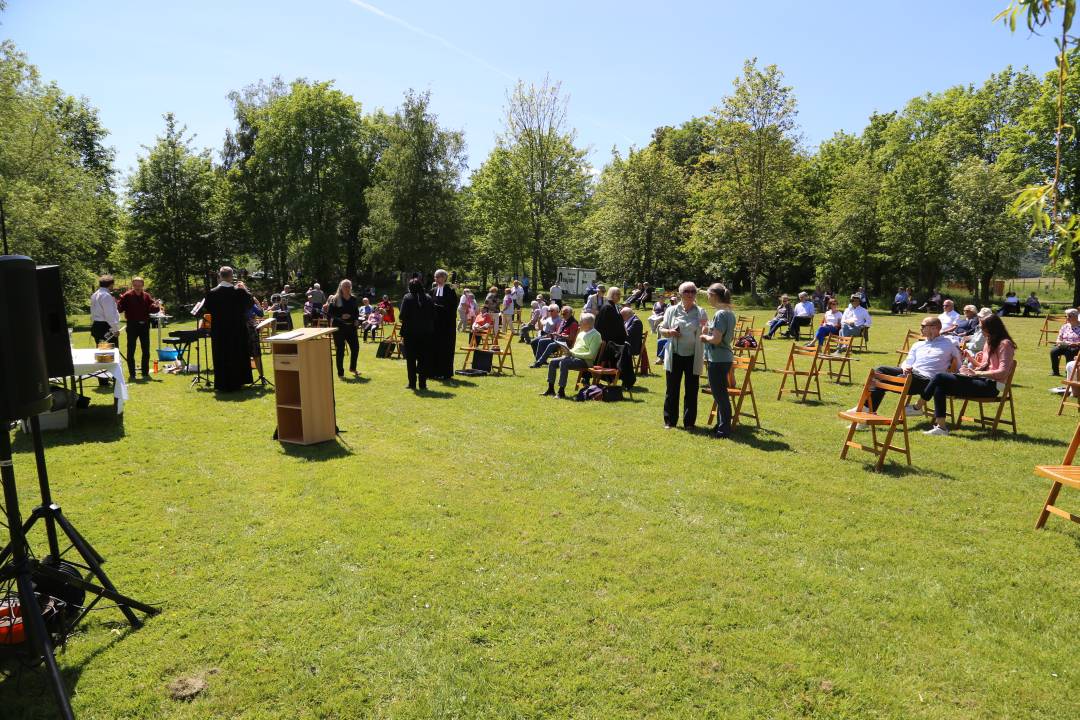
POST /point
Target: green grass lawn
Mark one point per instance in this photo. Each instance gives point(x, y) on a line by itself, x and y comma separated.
point(483, 552)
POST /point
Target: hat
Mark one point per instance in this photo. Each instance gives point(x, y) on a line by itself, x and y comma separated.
point(985, 313)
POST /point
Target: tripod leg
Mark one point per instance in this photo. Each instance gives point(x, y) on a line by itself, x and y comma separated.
point(42, 643)
point(47, 571)
point(81, 544)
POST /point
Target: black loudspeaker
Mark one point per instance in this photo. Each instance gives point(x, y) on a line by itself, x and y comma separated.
point(54, 330)
point(24, 379)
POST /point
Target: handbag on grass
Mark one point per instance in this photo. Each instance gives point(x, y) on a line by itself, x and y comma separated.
point(481, 360)
point(385, 348)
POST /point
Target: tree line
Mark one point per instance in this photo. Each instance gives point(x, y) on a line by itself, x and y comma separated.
point(307, 180)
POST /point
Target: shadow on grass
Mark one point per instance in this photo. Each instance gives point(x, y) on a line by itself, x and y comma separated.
point(972, 432)
point(248, 392)
point(759, 438)
point(330, 450)
point(353, 379)
point(898, 470)
point(435, 394)
point(91, 425)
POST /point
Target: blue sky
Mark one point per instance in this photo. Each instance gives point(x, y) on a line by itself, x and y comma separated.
point(627, 66)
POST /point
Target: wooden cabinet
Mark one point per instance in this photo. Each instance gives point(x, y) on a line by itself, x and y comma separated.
point(304, 386)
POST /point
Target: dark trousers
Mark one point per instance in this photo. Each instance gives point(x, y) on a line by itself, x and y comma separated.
point(718, 383)
point(1029, 311)
point(346, 335)
point(1061, 351)
point(797, 323)
point(681, 374)
point(917, 384)
point(138, 331)
point(98, 330)
point(946, 385)
point(417, 362)
point(563, 366)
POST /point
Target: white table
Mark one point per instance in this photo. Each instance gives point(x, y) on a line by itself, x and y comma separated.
point(85, 364)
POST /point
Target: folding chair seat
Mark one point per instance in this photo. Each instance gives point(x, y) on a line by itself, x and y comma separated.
point(757, 354)
point(912, 337)
point(837, 351)
point(1071, 396)
point(810, 374)
point(1064, 475)
point(899, 386)
point(740, 387)
point(1051, 324)
point(1002, 399)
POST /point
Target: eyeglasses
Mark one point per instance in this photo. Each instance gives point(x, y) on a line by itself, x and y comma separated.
point(689, 292)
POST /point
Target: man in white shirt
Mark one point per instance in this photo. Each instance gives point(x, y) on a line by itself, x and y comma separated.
point(104, 316)
point(804, 316)
point(948, 317)
point(926, 358)
point(556, 293)
point(519, 299)
point(594, 302)
point(855, 319)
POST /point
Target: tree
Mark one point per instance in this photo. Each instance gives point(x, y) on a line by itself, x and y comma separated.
point(980, 223)
point(415, 214)
point(58, 209)
point(639, 208)
point(169, 230)
point(744, 197)
point(547, 165)
point(496, 210)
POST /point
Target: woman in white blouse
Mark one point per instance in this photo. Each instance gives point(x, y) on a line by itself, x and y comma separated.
point(830, 324)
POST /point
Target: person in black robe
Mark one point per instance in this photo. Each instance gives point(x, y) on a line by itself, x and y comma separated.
point(609, 321)
point(417, 331)
point(228, 308)
point(445, 339)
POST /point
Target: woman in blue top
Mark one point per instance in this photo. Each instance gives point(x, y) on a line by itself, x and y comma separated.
point(718, 355)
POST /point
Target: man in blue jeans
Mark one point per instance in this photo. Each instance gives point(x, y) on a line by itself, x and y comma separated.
point(579, 357)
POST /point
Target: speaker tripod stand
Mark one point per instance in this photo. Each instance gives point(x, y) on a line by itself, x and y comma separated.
point(17, 563)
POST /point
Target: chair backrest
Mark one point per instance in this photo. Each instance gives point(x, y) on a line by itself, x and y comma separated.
point(912, 336)
point(745, 365)
point(798, 350)
point(898, 385)
point(747, 321)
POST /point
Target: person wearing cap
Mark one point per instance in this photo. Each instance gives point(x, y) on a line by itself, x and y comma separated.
point(976, 340)
point(1068, 341)
point(804, 317)
point(855, 319)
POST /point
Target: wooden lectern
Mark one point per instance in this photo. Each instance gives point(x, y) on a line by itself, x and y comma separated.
point(304, 385)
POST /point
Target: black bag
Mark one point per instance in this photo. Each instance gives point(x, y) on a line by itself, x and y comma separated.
point(612, 393)
point(385, 349)
point(481, 360)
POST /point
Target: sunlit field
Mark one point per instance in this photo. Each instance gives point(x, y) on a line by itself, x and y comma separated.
point(482, 552)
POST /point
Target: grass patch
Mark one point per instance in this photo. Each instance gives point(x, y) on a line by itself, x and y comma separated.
point(485, 552)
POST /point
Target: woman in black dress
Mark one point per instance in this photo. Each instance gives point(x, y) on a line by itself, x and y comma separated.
point(342, 309)
point(417, 332)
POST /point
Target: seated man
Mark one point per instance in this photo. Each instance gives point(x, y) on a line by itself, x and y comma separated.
point(900, 301)
point(1010, 305)
point(582, 355)
point(804, 316)
point(784, 314)
point(634, 330)
point(565, 334)
point(1068, 341)
point(856, 319)
point(933, 301)
point(926, 358)
point(1032, 306)
point(948, 317)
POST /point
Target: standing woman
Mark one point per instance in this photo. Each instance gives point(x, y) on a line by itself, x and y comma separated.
point(343, 310)
point(719, 356)
point(984, 378)
point(683, 358)
point(417, 332)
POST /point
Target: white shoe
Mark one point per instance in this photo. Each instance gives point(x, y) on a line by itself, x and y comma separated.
point(936, 430)
point(857, 409)
point(910, 410)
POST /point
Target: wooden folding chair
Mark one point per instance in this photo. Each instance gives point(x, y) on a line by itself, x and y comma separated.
point(900, 386)
point(912, 337)
point(756, 354)
point(792, 371)
point(837, 350)
point(503, 353)
point(641, 360)
point(396, 352)
point(1004, 397)
point(1064, 474)
point(861, 340)
point(1071, 396)
point(738, 391)
point(482, 342)
point(604, 369)
point(745, 322)
point(1051, 325)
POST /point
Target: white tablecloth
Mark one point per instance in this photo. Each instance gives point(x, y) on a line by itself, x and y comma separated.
point(85, 364)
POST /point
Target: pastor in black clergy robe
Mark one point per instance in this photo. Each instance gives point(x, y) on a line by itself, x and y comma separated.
point(228, 307)
point(445, 338)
